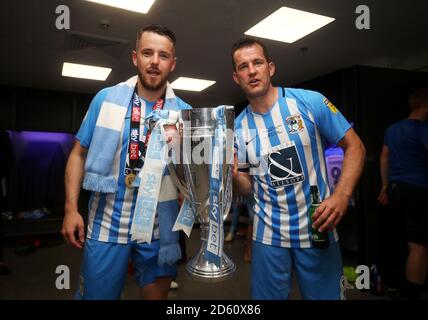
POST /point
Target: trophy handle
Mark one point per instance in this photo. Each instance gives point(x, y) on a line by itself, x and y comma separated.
point(228, 193)
point(177, 181)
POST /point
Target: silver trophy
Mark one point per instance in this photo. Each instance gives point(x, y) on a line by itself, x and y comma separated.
point(191, 175)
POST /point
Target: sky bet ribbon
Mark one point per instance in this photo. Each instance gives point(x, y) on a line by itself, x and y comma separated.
point(185, 218)
point(214, 248)
point(150, 177)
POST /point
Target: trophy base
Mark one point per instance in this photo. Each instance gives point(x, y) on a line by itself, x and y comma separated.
point(202, 270)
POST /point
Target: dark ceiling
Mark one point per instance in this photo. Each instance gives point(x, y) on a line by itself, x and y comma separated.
point(33, 50)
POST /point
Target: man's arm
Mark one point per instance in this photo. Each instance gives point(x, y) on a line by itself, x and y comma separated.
point(73, 220)
point(332, 209)
point(242, 183)
point(241, 180)
point(384, 167)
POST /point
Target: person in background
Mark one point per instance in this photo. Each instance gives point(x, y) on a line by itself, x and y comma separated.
point(234, 223)
point(6, 161)
point(404, 174)
point(239, 202)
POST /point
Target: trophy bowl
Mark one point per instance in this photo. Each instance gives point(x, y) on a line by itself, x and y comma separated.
point(191, 174)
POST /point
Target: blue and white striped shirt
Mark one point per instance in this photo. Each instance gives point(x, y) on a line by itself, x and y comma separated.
point(283, 150)
point(110, 215)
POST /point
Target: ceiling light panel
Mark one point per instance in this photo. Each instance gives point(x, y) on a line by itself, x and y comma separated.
point(140, 6)
point(83, 71)
point(191, 84)
point(288, 25)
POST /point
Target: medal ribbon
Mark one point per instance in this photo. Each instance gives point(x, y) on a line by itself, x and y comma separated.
point(134, 135)
point(158, 106)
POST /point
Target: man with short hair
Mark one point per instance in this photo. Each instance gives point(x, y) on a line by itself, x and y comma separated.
point(404, 173)
point(280, 153)
point(6, 162)
point(108, 156)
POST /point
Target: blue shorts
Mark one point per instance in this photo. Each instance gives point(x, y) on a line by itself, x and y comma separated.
point(319, 272)
point(104, 268)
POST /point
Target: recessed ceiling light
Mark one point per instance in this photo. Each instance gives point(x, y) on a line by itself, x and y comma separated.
point(288, 25)
point(85, 71)
point(141, 6)
point(191, 84)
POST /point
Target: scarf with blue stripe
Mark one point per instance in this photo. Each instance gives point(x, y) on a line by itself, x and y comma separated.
point(99, 176)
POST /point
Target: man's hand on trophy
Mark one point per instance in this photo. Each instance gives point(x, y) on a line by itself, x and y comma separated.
point(241, 180)
point(171, 133)
point(172, 137)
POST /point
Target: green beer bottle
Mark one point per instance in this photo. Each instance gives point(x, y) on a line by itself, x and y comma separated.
point(319, 239)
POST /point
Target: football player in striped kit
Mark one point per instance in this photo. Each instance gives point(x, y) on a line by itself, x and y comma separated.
point(108, 245)
point(279, 141)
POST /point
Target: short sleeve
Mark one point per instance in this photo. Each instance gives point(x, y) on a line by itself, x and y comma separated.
point(331, 123)
point(183, 105)
point(84, 135)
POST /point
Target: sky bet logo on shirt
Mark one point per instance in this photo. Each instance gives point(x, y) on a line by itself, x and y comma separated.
point(284, 166)
point(330, 105)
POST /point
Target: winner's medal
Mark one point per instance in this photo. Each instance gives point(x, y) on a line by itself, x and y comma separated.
point(129, 180)
point(135, 150)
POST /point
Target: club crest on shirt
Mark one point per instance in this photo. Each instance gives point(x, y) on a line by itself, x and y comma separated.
point(330, 105)
point(294, 123)
point(284, 166)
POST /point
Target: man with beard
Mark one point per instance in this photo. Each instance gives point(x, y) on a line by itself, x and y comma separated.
point(280, 151)
point(108, 157)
